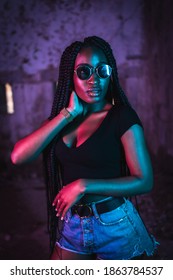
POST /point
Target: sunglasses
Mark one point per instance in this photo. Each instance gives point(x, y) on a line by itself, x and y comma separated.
point(84, 72)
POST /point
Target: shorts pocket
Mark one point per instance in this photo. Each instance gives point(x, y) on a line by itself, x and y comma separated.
point(112, 217)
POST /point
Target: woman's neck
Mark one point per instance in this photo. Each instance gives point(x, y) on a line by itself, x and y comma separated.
point(96, 107)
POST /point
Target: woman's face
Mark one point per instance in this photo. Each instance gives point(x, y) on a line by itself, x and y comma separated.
point(95, 88)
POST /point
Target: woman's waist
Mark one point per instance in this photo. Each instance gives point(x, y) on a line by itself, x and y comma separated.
point(102, 204)
point(90, 198)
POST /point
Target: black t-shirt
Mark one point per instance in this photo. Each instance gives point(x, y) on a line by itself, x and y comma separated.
point(99, 157)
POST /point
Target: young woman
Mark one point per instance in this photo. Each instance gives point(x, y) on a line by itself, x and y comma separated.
point(91, 135)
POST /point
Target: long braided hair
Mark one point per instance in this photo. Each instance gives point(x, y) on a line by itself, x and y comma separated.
point(61, 100)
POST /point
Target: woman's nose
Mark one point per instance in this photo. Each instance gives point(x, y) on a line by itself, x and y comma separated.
point(94, 79)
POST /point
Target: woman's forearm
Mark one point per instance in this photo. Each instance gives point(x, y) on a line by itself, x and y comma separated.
point(32, 145)
point(124, 186)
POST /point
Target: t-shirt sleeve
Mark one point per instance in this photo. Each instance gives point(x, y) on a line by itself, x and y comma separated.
point(127, 118)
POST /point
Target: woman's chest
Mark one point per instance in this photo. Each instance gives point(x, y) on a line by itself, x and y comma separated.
point(81, 133)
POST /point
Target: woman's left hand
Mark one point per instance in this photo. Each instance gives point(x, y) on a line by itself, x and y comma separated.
point(69, 195)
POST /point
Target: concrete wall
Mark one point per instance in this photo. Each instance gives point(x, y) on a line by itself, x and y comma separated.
point(36, 32)
point(158, 44)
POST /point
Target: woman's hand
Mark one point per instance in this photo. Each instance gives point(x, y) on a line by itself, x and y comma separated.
point(69, 195)
point(75, 106)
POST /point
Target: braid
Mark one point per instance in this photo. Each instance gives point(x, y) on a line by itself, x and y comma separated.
point(65, 80)
point(61, 100)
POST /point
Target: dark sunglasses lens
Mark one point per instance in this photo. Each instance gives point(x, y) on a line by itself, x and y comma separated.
point(83, 72)
point(104, 71)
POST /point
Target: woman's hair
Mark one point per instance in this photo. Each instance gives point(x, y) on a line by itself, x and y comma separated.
point(61, 100)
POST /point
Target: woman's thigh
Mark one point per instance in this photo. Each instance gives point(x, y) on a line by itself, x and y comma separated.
point(62, 254)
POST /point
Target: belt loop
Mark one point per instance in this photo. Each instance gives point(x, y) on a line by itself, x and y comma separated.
point(93, 205)
point(68, 216)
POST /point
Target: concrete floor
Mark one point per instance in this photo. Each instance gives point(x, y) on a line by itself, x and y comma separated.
point(23, 233)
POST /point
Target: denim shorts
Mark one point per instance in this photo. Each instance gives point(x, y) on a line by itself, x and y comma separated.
point(116, 235)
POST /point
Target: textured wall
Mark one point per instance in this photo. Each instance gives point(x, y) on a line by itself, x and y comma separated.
point(158, 45)
point(36, 32)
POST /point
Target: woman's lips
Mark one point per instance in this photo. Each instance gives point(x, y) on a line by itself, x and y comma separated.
point(94, 91)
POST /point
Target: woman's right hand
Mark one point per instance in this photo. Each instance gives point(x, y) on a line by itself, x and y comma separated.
point(75, 106)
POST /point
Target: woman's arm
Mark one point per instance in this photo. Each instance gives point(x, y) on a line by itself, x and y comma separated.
point(140, 180)
point(32, 145)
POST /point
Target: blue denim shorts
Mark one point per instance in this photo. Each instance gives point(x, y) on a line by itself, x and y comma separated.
point(116, 235)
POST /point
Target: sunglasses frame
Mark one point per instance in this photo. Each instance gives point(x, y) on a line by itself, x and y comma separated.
point(92, 70)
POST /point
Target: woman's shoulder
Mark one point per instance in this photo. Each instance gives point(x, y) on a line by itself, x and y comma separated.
point(122, 108)
point(125, 116)
point(123, 111)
